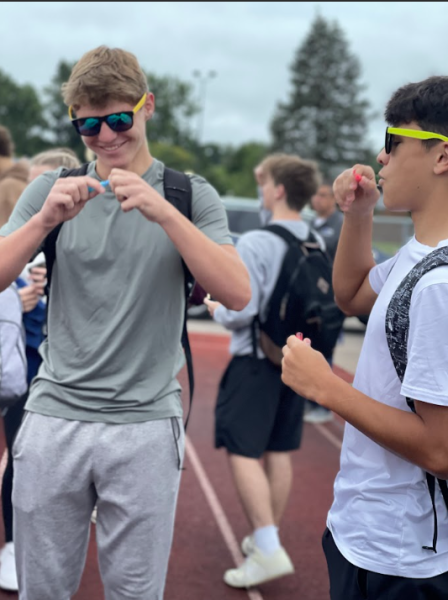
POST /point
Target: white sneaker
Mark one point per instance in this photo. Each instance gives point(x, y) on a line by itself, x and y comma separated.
point(8, 573)
point(248, 545)
point(318, 415)
point(258, 568)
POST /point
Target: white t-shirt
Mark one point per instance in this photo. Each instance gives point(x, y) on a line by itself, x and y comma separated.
point(382, 513)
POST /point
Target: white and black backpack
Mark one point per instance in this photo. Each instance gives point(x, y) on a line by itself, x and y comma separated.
point(397, 331)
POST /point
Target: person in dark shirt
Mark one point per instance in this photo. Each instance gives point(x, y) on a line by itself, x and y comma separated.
point(328, 219)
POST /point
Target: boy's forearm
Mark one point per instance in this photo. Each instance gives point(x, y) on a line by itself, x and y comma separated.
point(399, 431)
point(354, 258)
point(219, 270)
point(17, 249)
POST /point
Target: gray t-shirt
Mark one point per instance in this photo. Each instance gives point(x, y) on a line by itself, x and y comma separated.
point(116, 307)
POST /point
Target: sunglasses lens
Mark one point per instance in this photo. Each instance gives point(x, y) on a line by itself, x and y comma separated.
point(89, 126)
point(387, 144)
point(120, 121)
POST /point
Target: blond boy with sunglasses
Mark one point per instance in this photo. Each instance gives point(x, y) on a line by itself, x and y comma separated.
point(104, 418)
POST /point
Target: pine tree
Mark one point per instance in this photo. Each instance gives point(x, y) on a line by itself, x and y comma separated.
point(325, 118)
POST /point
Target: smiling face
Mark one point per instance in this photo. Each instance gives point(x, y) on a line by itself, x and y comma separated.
point(120, 149)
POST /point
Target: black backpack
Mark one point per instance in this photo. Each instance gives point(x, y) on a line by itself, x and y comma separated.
point(397, 330)
point(178, 191)
point(302, 300)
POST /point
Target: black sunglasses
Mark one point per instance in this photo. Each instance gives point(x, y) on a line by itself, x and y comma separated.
point(119, 121)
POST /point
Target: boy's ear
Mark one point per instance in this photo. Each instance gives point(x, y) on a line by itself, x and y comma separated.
point(149, 105)
point(280, 193)
point(441, 165)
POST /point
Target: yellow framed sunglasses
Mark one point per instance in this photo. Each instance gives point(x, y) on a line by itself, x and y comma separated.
point(412, 133)
point(119, 121)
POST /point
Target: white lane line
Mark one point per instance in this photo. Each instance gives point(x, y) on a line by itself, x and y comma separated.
point(218, 511)
point(330, 436)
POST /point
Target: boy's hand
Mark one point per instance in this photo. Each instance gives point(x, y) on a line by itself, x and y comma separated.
point(66, 199)
point(38, 276)
point(305, 370)
point(133, 192)
point(211, 305)
point(30, 296)
point(356, 191)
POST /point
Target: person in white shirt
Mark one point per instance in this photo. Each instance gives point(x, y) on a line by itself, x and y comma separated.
point(379, 538)
point(257, 419)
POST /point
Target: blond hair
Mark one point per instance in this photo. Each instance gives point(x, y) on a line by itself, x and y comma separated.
point(56, 157)
point(102, 75)
point(300, 177)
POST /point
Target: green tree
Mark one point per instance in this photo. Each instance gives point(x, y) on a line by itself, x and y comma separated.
point(240, 166)
point(175, 108)
point(177, 157)
point(62, 131)
point(325, 118)
point(22, 113)
point(174, 157)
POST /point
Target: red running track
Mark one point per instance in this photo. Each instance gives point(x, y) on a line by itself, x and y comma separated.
point(210, 522)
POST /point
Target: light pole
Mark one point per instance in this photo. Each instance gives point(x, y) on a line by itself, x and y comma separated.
point(203, 80)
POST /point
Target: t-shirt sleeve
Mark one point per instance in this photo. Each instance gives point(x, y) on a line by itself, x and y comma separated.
point(209, 213)
point(30, 202)
point(426, 377)
point(251, 253)
point(379, 274)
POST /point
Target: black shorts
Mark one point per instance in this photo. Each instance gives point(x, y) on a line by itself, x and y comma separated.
point(348, 582)
point(255, 412)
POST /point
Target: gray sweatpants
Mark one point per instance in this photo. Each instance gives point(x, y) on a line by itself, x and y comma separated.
point(61, 468)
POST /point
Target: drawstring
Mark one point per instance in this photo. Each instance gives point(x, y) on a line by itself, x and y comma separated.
point(176, 437)
point(431, 483)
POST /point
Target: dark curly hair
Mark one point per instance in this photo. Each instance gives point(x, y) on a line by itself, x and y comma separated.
point(425, 103)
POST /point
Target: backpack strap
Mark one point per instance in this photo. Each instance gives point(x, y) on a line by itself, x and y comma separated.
point(49, 245)
point(178, 191)
point(397, 331)
point(289, 237)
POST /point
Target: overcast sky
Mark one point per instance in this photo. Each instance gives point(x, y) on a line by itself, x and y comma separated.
point(250, 46)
